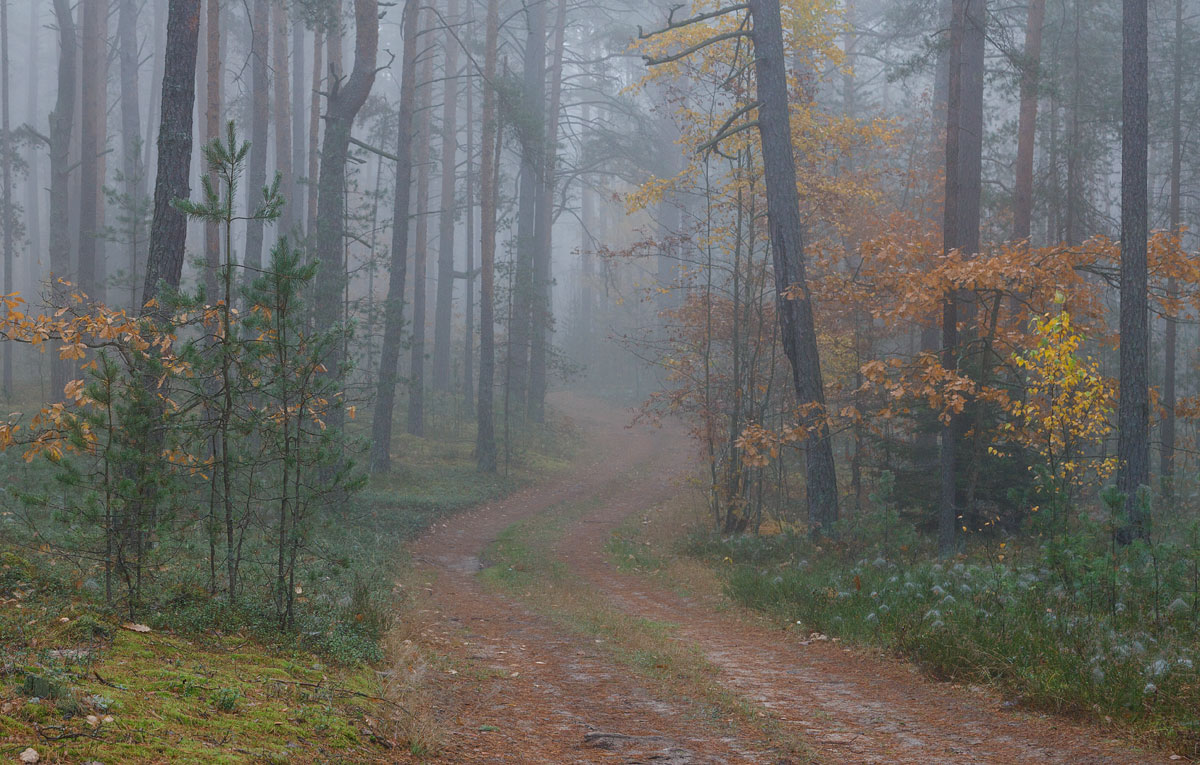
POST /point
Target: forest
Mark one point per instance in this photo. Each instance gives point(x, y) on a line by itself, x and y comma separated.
point(538, 381)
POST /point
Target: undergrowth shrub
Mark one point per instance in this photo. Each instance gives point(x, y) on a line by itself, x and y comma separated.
point(1071, 623)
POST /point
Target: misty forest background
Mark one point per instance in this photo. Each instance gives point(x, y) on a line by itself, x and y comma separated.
point(287, 279)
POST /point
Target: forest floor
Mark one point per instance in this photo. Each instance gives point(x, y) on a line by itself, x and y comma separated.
point(562, 636)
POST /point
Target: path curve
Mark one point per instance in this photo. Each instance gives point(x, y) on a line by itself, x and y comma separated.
point(850, 705)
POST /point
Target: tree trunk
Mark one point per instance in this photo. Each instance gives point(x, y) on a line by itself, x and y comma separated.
point(314, 132)
point(469, 287)
point(797, 325)
point(93, 121)
point(485, 435)
point(212, 131)
point(34, 188)
point(542, 316)
point(6, 193)
point(1167, 456)
point(154, 107)
point(1074, 211)
point(283, 115)
point(964, 165)
point(533, 154)
point(344, 101)
point(416, 373)
point(131, 131)
point(393, 312)
point(1133, 411)
point(62, 121)
point(1027, 121)
point(168, 229)
point(256, 165)
point(296, 192)
point(444, 307)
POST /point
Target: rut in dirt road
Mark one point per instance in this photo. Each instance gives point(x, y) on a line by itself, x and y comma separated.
point(532, 692)
point(570, 703)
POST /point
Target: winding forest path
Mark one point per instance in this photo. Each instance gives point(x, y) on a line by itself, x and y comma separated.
point(527, 687)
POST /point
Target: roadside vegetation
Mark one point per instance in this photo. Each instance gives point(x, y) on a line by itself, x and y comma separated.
point(1069, 624)
point(208, 680)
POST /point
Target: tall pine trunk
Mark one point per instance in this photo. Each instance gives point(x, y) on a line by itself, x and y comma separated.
point(416, 373)
point(256, 166)
point(212, 131)
point(314, 133)
point(542, 317)
point(1170, 340)
point(34, 188)
point(469, 287)
point(346, 98)
point(964, 163)
point(1133, 409)
point(168, 229)
point(393, 311)
point(131, 131)
point(93, 120)
point(6, 172)
point(533, 157)
point(485, 434)
point(283, 114)
point(794, 301)
point(444, 306)
point(1027, 121)
point(62, 121)
point(296, 193)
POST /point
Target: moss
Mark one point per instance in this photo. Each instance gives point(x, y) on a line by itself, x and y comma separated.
point(202, 701)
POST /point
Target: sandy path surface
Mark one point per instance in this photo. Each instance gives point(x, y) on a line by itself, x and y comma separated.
point(538, 694)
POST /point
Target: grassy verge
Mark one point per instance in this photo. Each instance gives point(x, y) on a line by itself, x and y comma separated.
point(1052, 628)
point(214, 683)
point(79, 688)
point(522, 562)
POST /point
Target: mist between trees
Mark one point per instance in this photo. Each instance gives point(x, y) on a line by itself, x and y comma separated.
point(916, 266)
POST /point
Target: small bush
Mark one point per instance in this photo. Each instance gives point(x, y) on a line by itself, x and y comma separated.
point(226, 699)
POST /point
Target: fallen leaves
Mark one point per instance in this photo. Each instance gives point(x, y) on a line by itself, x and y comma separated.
point(135, 627)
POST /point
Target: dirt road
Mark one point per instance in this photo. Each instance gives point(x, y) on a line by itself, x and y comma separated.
point(525, 689)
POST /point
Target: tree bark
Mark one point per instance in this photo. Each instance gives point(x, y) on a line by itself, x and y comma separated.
point(344, 101)
point(93, 121)
point(1027, 121)
point(1170, 340)
point(1133, 410)
point(62, 121)
point(296, 192)
point(131, 131)
point(416, 368)
point(314, 132)
point(964, 166)
point(794, 301)
point(34, 188)
point(485, 434)
point(444, 307)
point(256, 165)
point(168, 230)
point(542, 317)
point(533, 154)
point(6, 193)
point(469, 287)
point(393, 311)
point(212, 131)
point(283, 115)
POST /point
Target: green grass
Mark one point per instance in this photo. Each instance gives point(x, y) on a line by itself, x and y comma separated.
point(216, 683)
point(522, 562)
point(112, 694)
point(1061, 628)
